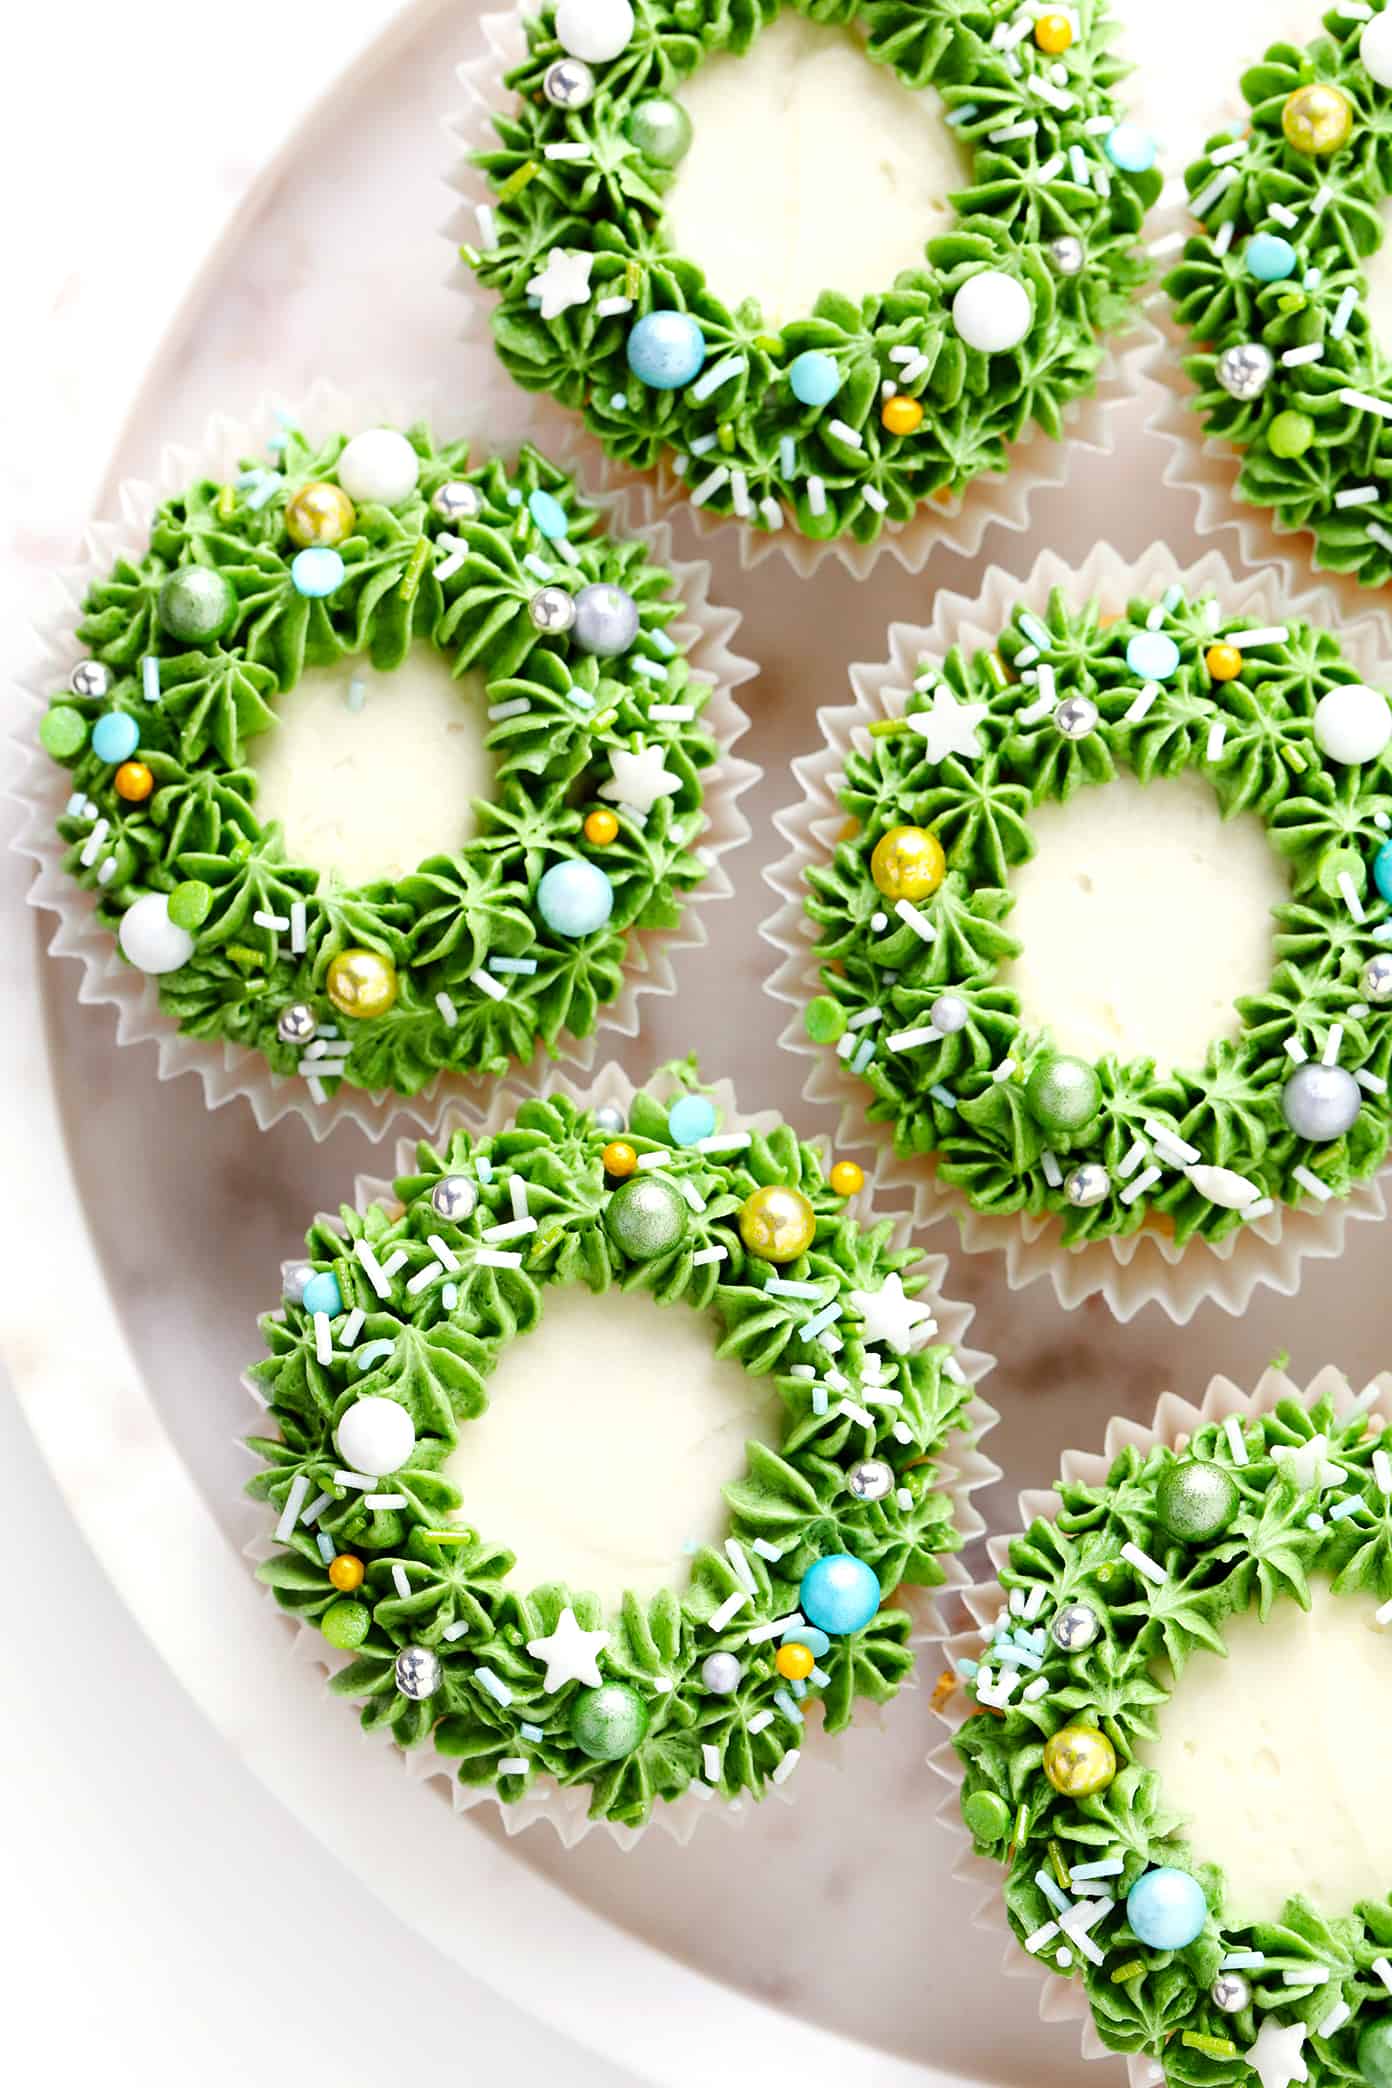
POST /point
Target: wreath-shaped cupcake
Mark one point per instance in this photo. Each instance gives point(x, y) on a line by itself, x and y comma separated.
point(912, 919)
point(857, 412)
point(380, 1364)
point(356, 552)
point(1105, 1608)
point(1289, 369)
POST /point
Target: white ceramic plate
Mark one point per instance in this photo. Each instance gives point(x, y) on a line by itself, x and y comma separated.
point(828, 1936)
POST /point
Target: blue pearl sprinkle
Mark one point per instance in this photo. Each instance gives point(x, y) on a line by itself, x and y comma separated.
point(322, 1294)
point(839, 1594)
point(317, 571)
point(665, 350)
point(690, 1120)
point(1382, 869)
point(1166, 1909)
point(814, 377)
point(1270, 258)
point(575, 898)
point(548, 514)
point(816, 1642)
point(1131, 148)
point(1153, 655)
point(115, 737)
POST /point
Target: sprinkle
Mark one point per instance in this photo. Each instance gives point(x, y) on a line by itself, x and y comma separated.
point(1335, 2020)
point(1378, 534)
point(1295, 1050)
point(1382, 1471)
point(1141, 703)
point(709, 486)
point(787, 1765)
point(1384, 1972)
point(490, 1258)
point(566, 149)
point(93, 846)
point(352, 1327)
point(1312, 1976)
point(323, 1339)
point(488, 985)
point(1318, 1189)
point(510, 1229)
point(920, 924)
point(372, 1268)
point(1051, 1892)
point(1026, 128)
point(1143, 1563)
point(1363, 402)
point(316, 1508)
point(1358, 496)
point(375, 1352)
point(1108, 1867)
point(1330, 1055)
point(1213, 191)
point(759, 1721)
point(449, 1014)
point(1232, 1429)
point(150, 678)
point(384, 1501)
point(487, 224)
point(712, 379)
point(844, 433)
point(1283, 216)
point(707, 1255)
point(1217, 733)
point(788, 1707)
point(739, 1564)
point(1343, 312)
point(1242, 1961)
point(710, 1762)
point(816, 496)
point(1349, 894)
point(719, 1618)
point(494, 1684)
point(1342, 1510)
point(294, 1501)
point(1035, 1943)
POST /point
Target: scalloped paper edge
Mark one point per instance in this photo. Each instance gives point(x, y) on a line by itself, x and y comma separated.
point(1146, 1267)
point(40, 785)
point(964, 1469)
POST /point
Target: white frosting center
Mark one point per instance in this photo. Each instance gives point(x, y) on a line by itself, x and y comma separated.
point(370, 791)
point(609, 1434)
point(1142, 917)
point(1378, 268)
point(810, 169)
point(1182, 102)
point(1275, 1757)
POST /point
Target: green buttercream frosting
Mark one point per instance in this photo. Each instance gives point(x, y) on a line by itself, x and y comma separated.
point(1330, 209)
point(1036, 129)
point(1148, 2000)
point(965, 1097)
point(433, 1349)
point(411, 575)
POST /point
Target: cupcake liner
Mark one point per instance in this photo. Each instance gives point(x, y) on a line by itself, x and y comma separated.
point(42, 788)
point(964, 1466)
point(1147, 1267)
point(959, 524)
point(1175, 1419)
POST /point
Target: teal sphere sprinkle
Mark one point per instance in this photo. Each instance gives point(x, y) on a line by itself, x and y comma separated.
point(1064, 1095)
point(575, 898)
point(1166, 1909)
point(609, 1722)
point(1195, 1501)
point(1375, 2053)
point(666, 350)
point(646, 1218)
point(1269, 258)
point(814, 378)
point(548, 514)
point(690, 1119)
point(661, 129)
point(1382, 870)
point(197, 605)
point(317, 571)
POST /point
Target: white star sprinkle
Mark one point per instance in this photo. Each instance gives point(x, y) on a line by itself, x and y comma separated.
point(890, 1316)
point(570, 1654)
point(1275, 2056)
point(949, 727)
point(1307, 1465)
point(563, 281)
point(639, 780)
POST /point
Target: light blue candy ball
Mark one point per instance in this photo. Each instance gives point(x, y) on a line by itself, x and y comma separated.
point(317, 571)
point(575, 898)
point(665, 350)
point(115, 737)
point(1153, 655)
point(548, 514)
point(1382, 869)
point(691, 1119)
point(1166, 1909)
point(814, 377)
point(322, 1294)
point(816, 1642)
point(839, 1594)
point(1131, 148)
point(1270, 258)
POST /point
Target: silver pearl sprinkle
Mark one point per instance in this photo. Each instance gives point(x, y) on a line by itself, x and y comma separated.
point(90, 678)
point(1230, 1992)
point(1075, 1628)
point(457, 501)
point(870, 1480)
point(568, 84)
point(1377, 979)
point(1066, 255)
point(948, 1014)
point(454, 1197)
point(609, 1118)
point(721, 1673)
point(1244, 371)
point(417, 1672)
point(1087, 1185)
point(1076, 717)
point(297, 1023)
point(552, 610)
point(294, 1275)
point(606, 620)
point(1320, 1102)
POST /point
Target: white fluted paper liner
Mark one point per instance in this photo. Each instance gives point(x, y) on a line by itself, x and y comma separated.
point(960, 524)
point(496, 418)
point(1147, 1267)
point(1175, 1420)
point(963, 1466)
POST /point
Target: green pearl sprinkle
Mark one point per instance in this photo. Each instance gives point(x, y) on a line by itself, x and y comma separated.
point(63, 731)
point(1290, 434)
point(609, 1722)
point(190, 904)
point(825, 1019)
point(346, 1624)
point(661, 129)
point(985, 1816)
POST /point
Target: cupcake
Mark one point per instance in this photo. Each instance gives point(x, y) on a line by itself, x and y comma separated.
point(599, 1446)
point(919, 261)
point(380, 762)
point(1284, 293)
point(1006, 966)
point(1160, 1746)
